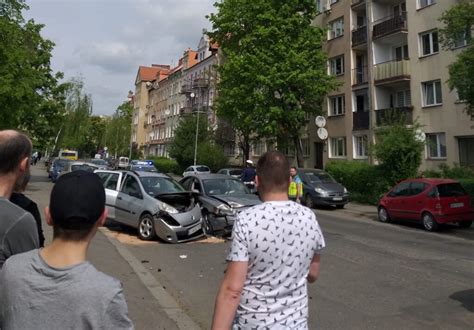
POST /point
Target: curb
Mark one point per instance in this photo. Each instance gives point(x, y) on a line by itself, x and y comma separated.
point(164, 299)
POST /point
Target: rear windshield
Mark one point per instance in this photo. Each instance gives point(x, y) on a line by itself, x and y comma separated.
point(451, 190)
point(82, 167)
point(202, 169)
point(68, 154)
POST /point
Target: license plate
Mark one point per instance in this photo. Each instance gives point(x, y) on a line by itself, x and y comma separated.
point(337, 199)
point(194, 229)
point(456, 205)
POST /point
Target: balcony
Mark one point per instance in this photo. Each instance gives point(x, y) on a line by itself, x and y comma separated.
point(359, 76)
point(359, 36)
point(186, 88)
point(389, 25)
point(185, 110)
point(360, 120)
point(391, 116)
point(355, 3)
point(391, 71)
point(201, 83)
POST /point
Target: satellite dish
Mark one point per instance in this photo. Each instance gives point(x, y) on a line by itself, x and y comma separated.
point(320, 121)
point(322, 133)
point(420, 135)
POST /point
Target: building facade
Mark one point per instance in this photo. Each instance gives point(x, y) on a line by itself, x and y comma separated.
point(389, 60)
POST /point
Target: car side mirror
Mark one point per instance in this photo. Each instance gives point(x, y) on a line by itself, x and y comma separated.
point(195, 191)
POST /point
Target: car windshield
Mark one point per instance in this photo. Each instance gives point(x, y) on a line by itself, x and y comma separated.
point(155, 186)
point(224, 187)
point(99, 162)
point(451, 190)
point(82, 167)
point(235, 172)
point(202, 168)
point(319, 177)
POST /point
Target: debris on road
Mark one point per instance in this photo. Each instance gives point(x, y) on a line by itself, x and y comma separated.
point(183, 256)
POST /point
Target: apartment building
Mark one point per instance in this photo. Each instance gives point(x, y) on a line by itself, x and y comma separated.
point(387, 56)
point(145, 77)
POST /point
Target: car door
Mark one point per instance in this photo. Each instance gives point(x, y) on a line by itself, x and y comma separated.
point(129, 203)
point(416, 201)
point(111, 181)
point(396, 199)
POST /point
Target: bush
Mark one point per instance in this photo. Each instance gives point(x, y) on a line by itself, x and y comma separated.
point(366, 183)
point(468, 184)
point(166, 165)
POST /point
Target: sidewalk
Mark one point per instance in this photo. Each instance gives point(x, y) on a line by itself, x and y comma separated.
point(363, 210)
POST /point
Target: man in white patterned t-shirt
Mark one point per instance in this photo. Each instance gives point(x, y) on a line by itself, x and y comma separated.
point(275, 251)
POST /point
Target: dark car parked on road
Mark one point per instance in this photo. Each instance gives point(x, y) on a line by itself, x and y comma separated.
point(431, 201)
point(320, 188)
point(221, 198)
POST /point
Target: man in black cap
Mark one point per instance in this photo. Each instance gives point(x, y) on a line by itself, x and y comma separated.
point(55, 287)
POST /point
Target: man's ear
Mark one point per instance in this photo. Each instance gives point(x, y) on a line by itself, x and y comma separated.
point(47, 214)
point(257, 181)
point(103, 217)
point(24, 163)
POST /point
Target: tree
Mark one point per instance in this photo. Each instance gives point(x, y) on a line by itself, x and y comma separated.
point(118, 130)
point(182, 147)
point(459, 21)
point(398, 149)
point(274, 72)
point(31, 97)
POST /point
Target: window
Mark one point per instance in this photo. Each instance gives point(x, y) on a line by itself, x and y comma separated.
point(336, 28)
point(361, 146)
point(338, 147)
point(417, 187)
point(331, 2)
point(461, 40)
point(401, 53)
point(131, 187)
point(337, 105)
point(336, 65)
point(319, 7)
point(403, 189)
point(429, 43)
point(432, 93)
point(258, 148)
point(425, 3)
point(403, 98)
point(436, 144)
point(305, 146)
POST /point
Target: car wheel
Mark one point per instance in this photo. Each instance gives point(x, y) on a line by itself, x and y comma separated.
point(465, 224)
point(383, 214)
point(206, 224)
point(146, 228)
point(308, 201)
point(429, 223)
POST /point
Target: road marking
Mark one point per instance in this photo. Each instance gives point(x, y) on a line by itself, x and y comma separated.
point(164, 299)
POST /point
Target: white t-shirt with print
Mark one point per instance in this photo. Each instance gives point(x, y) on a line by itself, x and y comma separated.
point(278, 240)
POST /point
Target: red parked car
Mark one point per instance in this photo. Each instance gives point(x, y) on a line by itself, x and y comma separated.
point(431, 201)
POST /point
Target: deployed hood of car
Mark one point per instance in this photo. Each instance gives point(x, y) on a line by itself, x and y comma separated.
point(244, 199)
point(181, 201)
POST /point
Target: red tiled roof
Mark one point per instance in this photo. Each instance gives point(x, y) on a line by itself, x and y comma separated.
point(146, 73)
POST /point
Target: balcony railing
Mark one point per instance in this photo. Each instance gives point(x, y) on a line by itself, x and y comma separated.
point(391, 116)
point(357, 2)
point(392, 70)
point(359, 36)
point(360, 120)
point(390, 24)
point(186, 88)
point(359, 75)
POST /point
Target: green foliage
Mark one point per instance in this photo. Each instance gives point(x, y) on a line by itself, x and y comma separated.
point(454, 172)
point(212, 155)
point(31, 98)
point(468, 185)
point(398, 151)
point(118, 131)
point(274, 70)
point(365, 182)
point(182, 147)
point(459, 21)
point(166, 165)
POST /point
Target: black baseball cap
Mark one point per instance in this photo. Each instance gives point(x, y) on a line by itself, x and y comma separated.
point(77, 200)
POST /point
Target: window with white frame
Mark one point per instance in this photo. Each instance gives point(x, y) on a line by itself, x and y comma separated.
point(436, 145)
point(336, 28)
point(429, 43)
point(258, 148)
point(425, 3)
point(337, 105)
point(336, 65)
point(305, 146)
point(338, 147)
point(432, 93)
point(361, 146)
point(319, 7)
point(403, 98)
point(461, 40)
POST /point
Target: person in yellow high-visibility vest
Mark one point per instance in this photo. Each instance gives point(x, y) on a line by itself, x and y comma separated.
point(295, 190)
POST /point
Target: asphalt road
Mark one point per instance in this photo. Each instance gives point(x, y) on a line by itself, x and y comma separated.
point(373, 275)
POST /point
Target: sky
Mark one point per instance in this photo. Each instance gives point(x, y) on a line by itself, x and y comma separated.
point(104, 41)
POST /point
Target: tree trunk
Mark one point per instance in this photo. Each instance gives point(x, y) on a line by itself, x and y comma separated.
point(245, 146)
point(299, 151)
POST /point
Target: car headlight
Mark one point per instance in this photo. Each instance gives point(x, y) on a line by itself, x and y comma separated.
point(224, 210)
point(345, 190)
point(168, 208)
point(235, 205)
point(320, 191)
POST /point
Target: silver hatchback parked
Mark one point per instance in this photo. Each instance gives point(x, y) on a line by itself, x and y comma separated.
point(153, 203)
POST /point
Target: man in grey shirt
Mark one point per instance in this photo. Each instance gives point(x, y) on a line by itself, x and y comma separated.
point(55, 287)
point(18, 231)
